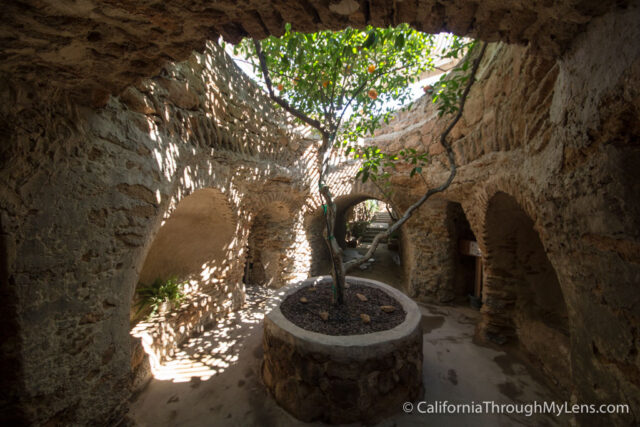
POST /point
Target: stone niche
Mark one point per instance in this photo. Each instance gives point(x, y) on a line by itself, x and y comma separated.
point(342, 379)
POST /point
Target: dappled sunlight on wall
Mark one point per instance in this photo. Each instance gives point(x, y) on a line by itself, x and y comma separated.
point(195, 239)
point(272, 247)
point(212, 351)
point(201, 243)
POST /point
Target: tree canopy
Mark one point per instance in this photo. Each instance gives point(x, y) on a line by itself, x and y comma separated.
point(346, 84)
point(349, 82)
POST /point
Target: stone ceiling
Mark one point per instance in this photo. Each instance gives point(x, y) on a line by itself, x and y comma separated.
point(101, 46)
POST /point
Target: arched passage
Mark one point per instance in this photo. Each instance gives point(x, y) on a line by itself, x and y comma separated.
point(386, 264)
point(523, 300)
point(468, 263)
point(198, 241)
point(200, 244)
point(345, 209)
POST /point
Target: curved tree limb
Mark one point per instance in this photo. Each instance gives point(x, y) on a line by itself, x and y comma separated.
point(452, 168)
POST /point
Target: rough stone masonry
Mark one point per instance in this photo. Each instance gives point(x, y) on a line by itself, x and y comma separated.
point(109, 121)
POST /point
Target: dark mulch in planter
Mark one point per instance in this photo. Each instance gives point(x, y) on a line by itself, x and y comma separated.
point(344, 319)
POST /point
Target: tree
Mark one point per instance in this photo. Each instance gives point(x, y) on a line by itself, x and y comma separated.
point(344, 84)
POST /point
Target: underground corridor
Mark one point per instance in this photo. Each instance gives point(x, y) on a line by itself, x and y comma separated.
point(344, 212)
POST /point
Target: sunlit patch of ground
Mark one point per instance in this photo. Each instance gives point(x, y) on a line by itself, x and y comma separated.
point(214, 350)
point(214, 379)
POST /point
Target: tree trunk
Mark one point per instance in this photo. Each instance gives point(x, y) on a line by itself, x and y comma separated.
point(330, 214)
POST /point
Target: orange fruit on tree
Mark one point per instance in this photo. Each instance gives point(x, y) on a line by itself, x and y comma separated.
point(280, 87)
point(371, 68)
point(373, 94)
point(325, 83)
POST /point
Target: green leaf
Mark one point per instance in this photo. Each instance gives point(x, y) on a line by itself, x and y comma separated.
point(371, 39)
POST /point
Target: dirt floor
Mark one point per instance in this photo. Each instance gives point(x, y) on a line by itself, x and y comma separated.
point(214, 379)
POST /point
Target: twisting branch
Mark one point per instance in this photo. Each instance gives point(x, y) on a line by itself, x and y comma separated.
point(453, 169)
point(280, 101)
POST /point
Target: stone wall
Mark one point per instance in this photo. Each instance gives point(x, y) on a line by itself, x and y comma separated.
point(429, 251)
point(85, 191)
point(86, 179)
point(434, 268)
point(94, 48)
point(560, 138)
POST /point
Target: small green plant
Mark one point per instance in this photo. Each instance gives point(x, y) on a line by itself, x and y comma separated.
point(160, 291)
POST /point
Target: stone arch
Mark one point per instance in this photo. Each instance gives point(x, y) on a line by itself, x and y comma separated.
point(197, 240)
point(344, 197)
point(200, 241)
point(343, 205)
point(523, 300)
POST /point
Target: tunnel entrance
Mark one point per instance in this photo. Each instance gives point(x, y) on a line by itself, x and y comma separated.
point(197, 247)
point(467, 258)
point(523, 301)
point(359, 219)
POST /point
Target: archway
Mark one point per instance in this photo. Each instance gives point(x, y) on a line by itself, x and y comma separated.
point(523, 300)
point(468, 262)
point(359, 217)
point(197, 242)
point(200, 246)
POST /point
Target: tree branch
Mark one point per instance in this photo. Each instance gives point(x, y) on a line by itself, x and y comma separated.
point(280, 101)
point(452, 162)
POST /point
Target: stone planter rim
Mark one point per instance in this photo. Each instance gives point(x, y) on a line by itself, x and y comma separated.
point(347, 346)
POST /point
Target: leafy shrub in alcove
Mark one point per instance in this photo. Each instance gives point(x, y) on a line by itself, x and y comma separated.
point(159, 292)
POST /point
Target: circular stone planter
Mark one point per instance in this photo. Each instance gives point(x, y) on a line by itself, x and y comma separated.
point(342, 379)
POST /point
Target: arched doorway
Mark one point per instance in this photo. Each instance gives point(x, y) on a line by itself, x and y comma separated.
point(198, 242)
point(359, 218)
point(467, 258)
point(523, 300)
point(199, 245)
